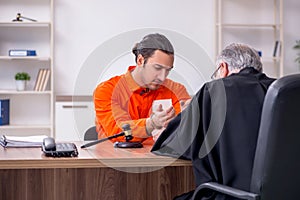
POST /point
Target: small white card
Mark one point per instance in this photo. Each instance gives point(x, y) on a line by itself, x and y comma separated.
point(166, 103)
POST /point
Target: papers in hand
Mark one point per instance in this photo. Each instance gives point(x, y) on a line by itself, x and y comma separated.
point(22, 141)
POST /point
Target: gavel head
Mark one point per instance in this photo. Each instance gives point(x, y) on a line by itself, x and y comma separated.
point(18, 17)
point(127, 132)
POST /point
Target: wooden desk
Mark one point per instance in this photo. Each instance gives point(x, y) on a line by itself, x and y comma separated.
point(99, 172)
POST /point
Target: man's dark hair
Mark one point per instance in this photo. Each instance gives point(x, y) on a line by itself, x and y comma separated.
point(151, 43)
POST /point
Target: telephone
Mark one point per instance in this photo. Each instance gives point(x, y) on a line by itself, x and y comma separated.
point(50, 148)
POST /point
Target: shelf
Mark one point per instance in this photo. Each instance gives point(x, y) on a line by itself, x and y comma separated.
point(25, 24)
point(232, 25)
point(31, 112)
point(269, 59)
point(23, 92)
point(25, 126)
point(262, 32)
point(39, 58)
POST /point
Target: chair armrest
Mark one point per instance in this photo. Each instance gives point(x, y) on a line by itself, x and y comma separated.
point(226, 190)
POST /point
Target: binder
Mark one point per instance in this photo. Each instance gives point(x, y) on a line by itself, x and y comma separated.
point(4, 111)
point(21, 52)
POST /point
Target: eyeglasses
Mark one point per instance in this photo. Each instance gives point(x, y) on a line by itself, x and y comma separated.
point(214, 75)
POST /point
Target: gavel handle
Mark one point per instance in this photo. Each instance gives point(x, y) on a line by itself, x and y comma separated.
point(102, 140)
point(28, 18)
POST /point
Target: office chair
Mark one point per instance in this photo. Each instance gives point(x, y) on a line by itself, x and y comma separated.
point(91, 134)
point(276, 168)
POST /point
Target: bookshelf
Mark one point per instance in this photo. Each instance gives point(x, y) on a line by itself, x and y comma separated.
point(257, 23)
point(31, 111)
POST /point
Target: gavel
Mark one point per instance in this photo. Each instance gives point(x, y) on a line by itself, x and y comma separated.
point(19, 18)
point(127, 144)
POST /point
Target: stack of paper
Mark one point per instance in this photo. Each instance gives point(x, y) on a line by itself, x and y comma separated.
point(22, 141)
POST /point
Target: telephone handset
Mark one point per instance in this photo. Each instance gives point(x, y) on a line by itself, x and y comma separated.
point(50, 148)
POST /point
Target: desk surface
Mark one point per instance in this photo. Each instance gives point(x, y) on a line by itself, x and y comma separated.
point(99, 172)
point(100, 155)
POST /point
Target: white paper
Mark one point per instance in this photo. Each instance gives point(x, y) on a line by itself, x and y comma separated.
point(166, 103)
point(34, 138)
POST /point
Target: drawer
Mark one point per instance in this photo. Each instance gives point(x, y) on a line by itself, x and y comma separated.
point(72, 119)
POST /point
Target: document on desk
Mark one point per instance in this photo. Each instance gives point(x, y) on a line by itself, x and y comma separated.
point(22, 141)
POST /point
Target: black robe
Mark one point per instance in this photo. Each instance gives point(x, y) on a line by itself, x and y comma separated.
point(218, 130)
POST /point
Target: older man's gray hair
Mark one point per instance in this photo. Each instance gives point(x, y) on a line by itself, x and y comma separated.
point(239, 56)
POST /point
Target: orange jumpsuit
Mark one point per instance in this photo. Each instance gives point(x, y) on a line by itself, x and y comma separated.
point(121, 100)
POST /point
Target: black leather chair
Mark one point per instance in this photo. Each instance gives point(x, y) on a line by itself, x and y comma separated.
point(91, 134)
point(276, 168)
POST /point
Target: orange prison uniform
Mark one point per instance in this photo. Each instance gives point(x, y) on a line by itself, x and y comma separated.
point(121, 100)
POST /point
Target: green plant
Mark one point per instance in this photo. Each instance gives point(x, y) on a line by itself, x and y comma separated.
point(297, 47)
point(22, 76)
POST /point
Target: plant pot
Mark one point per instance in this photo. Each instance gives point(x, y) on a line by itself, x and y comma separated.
point(20, 85)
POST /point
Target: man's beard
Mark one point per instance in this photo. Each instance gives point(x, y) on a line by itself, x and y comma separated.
point(154, 85)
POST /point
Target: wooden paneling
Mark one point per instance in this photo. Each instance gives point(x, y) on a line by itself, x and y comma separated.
point(94, 183)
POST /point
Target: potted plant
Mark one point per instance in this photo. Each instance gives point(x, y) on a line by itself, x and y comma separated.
point(21, 79)
point(297, 47)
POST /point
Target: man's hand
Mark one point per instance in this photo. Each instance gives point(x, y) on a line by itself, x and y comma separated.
point(156, 133)
point(161, 118)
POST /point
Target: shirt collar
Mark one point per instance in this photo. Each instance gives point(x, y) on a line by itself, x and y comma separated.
point(132, 85)
point(248, 70)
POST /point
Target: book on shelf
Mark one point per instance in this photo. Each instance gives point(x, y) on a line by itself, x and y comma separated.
point(21, 52)
point(22, 141)
point(42, 80)
point(45, 80)
point(38, 80)
point(277, 48)
point(43, 75)
point(4, 111)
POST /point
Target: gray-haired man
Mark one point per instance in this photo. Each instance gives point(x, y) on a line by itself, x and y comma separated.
point(218, 130)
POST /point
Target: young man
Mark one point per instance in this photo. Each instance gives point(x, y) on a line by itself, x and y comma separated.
point(128, 98)
point(219, 128)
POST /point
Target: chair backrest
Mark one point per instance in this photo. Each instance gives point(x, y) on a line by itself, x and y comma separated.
point(276, 169)
point(91, 134)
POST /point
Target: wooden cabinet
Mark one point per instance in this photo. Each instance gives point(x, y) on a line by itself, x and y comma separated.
point(31, 112)
point(257, 23)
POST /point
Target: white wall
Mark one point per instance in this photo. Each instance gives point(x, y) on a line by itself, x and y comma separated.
point(93, 39)
point(83, 26)
point(291, 34)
